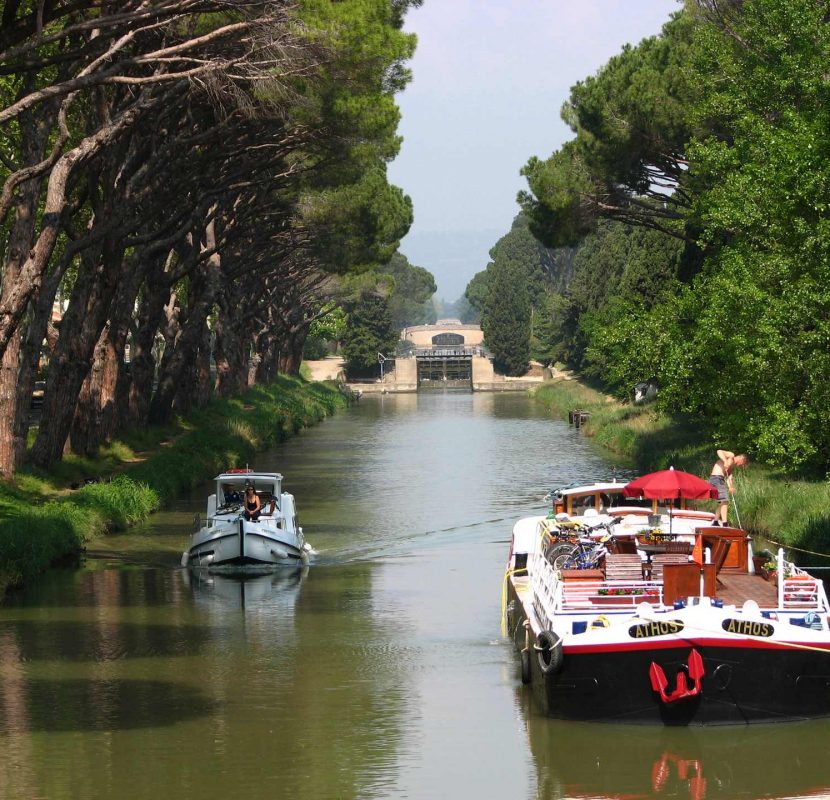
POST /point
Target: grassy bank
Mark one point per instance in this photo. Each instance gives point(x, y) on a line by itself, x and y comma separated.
point(43, 519)
point(781, 508)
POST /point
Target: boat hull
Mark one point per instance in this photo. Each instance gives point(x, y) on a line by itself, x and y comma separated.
point(744, 682)
point(245, 546)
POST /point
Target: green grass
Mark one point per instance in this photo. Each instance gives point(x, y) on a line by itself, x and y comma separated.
point(783, 509)
point(43, 520)
point(644, 437)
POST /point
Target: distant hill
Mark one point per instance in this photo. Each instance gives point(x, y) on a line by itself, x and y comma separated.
point(453, 257)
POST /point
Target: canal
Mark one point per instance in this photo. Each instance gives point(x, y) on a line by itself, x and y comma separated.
point(379, 672)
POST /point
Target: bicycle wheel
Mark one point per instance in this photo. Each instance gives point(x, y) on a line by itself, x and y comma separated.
point(565, 557)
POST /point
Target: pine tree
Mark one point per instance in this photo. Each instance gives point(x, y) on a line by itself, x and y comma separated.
point(506, 317)
point(368, 332)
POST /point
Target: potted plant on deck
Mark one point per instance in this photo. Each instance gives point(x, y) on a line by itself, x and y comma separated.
point(626, 596)
point(769, 569)
point(759, 559)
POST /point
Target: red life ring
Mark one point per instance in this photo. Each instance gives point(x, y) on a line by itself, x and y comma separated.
point(238, 471)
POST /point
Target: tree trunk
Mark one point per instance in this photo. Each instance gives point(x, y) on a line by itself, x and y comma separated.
point(96, 415)
point(266, 345)
point(81, 327)
point(143, 361)
point(40, 329)
point(186, 347)
point(291, 355)
point(9, 444)
point(194, 388)
point(231, 353)
point(96, 398)
point(34, 132)
point(203, 386)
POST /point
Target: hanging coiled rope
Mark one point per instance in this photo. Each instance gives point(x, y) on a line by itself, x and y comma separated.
point(507, 575)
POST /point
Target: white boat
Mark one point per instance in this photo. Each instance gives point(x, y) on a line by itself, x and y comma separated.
point(230, 540)
point(697, 639)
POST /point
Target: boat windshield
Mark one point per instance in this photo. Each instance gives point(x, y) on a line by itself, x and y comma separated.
point(232, 490)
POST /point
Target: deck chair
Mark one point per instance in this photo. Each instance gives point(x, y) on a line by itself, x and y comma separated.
point(623, 567)
point(661, 559)
point(625, 546)
point(720, 549)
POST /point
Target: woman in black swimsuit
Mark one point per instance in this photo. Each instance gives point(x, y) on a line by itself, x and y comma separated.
point(253, 506)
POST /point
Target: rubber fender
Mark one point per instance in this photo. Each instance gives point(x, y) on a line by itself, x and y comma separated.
point(525, 666)
point(549, 652)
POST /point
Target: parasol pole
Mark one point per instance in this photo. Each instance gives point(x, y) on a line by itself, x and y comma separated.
point(671, 507)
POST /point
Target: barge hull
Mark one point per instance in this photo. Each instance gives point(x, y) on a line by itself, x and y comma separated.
point(740, 685)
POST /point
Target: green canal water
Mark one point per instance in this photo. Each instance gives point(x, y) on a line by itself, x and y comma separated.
point(379, 672)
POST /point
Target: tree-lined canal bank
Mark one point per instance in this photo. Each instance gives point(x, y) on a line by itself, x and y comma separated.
point(43, 519)
point(379, 672)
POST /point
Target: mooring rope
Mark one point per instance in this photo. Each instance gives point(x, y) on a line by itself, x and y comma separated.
point(507, 575)
point(797, 549)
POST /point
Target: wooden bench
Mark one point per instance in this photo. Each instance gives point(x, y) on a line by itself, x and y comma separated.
point(661, 559)
point(623, 567)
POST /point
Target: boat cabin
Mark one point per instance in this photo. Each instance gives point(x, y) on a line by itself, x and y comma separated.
point(231, 485)
point(606, 498)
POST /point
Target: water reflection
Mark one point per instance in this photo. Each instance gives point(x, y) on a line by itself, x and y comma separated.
point(279, 588)
point(578, 760)
point(379, 672)
point(103, 640)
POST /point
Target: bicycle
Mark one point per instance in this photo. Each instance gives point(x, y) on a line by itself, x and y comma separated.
point(585, 553)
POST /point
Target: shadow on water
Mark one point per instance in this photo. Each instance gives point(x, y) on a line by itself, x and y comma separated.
point(102, 705)
point(109, 584)
point(103, 641)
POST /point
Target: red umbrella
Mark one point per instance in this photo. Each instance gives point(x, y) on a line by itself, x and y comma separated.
point(669, 484)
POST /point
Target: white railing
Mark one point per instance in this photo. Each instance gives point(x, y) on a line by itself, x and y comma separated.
point(797, 588)
point(612, 595)
point(552, 595)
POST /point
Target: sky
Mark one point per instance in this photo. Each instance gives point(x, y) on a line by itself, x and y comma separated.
point(489, 79)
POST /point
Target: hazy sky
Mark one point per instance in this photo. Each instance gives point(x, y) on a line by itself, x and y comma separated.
point(489, 79)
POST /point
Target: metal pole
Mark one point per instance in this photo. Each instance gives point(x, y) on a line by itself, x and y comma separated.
point(733, 495)
point(737, 515)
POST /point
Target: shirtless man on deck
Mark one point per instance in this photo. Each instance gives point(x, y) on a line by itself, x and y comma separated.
point(721, 479)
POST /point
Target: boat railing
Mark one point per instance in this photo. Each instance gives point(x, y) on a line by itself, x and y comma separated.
point(579, 595)
point(797, 588)
point(545, 586)
point(587, 590)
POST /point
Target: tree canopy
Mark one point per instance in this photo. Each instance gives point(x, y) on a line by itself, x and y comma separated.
point(197, 181)
point(409, 301)
point(705, 147)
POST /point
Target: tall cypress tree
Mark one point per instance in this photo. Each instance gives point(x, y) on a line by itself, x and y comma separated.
point(368, 332)
point(506, 317)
